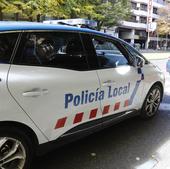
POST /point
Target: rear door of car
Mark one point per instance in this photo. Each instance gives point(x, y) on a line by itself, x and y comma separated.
point(51, 80)
point(8, 43)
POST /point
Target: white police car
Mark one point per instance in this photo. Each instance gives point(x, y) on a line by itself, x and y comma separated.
point(60, 81)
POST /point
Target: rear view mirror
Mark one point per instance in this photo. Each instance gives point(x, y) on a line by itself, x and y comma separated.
point(139, 62)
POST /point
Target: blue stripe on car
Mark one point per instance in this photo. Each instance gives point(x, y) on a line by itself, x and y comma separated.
point(136, 86)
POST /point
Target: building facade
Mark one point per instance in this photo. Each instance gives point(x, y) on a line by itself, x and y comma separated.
point(135, 30)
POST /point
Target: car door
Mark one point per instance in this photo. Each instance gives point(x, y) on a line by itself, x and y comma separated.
point(8, 42)
point(50, 79)
point(121, 82)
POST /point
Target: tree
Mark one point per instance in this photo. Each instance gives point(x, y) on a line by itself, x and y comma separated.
point(43, 7)
point(3, 4)
point(163, 23)
point(15, 7)
point(75, 8)
point(106, 13)
point(111, 12)
point(31, 9)
point(54, 9)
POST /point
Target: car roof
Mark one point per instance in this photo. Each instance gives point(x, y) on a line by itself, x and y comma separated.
point(13, 26)
point(19, 26)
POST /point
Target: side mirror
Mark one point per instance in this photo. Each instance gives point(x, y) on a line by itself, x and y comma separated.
point(139, 62)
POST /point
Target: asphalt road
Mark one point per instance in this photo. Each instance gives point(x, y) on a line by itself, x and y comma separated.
point(162, 65)
point(131, 144)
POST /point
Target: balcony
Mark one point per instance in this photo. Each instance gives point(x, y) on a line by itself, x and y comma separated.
point(160, 1)
point(133, 25)
point(143, 13)
point(156, 3)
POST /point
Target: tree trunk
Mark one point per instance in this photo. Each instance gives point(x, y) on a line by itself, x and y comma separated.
point(99, 25)
point(30, 19)
point(166, 46)
point(38, 18)
point(1, 15)
point(17, 16)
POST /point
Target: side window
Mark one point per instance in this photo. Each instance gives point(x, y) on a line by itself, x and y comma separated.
point(7, 43)
point(109, 53)
point(135, 53)
point(52, 49)
point(90, 51)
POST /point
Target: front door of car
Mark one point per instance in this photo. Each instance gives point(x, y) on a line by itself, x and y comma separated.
point(51, 81)
point(121, 83)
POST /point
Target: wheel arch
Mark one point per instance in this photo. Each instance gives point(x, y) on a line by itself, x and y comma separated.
point(24, 128)
point(161, 86)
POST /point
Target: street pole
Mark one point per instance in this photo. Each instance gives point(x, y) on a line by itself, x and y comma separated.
point(157, 40)
point(166, 41)
point(148, 40)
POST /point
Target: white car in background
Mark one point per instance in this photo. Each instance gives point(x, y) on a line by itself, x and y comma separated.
point(59, 82)
point(168, 65)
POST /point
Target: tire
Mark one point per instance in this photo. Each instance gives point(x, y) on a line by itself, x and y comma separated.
point(151, 102)
point(16, 149)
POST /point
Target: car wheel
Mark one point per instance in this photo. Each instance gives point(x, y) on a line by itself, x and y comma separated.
point(152, 102)
point(16, 150)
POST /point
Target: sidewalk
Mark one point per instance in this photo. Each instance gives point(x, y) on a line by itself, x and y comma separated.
point(164, 157)
point(156, 55)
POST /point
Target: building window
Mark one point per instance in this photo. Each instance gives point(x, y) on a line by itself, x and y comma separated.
point(155, 10)
point(143, 7)
point(133, 18)
point(134, 5)
point(142, 34)
point(143, 19)
point(160, 1)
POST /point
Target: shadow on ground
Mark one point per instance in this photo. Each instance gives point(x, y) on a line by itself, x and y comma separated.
point(122, 146)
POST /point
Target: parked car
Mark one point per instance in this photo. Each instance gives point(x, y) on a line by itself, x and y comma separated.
point(168, 65)
point(59, 82)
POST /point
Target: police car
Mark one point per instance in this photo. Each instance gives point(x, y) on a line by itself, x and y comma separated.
point(62, 82)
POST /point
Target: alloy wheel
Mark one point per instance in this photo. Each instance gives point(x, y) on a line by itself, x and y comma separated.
point(152, 102)
point(12, 153)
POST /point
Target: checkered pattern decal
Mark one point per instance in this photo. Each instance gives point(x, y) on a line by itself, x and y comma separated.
point(92, 114)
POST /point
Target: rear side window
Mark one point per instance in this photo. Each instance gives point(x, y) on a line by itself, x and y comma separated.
point(7, 44)
point(52, 49)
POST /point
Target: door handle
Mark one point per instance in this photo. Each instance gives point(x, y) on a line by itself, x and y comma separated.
point(108, 82)
point(35, 92)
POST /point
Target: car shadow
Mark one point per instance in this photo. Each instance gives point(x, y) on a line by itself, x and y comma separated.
point(123, 146)
point(166, 98)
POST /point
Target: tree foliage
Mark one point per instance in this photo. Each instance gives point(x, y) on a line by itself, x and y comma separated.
point(3, 4)
point(163, 23)
point(111, 12)
point(105, 12)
